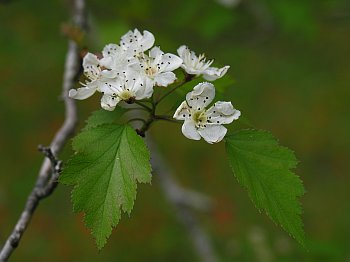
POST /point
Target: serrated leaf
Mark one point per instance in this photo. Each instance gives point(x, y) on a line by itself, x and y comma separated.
point(102, 116)
point(110, 159)
point(264, 168)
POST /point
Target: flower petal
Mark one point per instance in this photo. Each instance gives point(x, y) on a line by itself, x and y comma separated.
point(136, 83)
point(136, 42)
point(182, 50)
point(190, 70)
point(189, 130)
point(155, 52)
point(169, 62)
point(108, 74)
point(182, 112)
point(222, 113)
point(157, 55)
point(107, 62)
point(213, 73)
point(90, 60)
point(149, 83)
point(111, 87)
point(111, 49)
point(145, 92)
point(187, 60)
point(165, 78)
point(109, 102)
point(193, 64)
point(91, 66)
point(147, 40)
point(129, 38)
point(213, 134)
point(201, 96)
point(118, 61)
point(83, 92)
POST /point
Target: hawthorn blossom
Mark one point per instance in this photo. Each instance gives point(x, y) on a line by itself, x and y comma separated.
point(194, 65)
point(201, 122)
point(128, 88)
point(137, 43)
point(116, 59)
point(157, 67)
point(95, 75)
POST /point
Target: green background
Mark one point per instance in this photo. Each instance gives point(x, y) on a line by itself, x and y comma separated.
point(290, 63)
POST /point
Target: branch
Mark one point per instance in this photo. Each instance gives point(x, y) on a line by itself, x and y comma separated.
point(183, 202)
point(50, 169)
point(56, 170)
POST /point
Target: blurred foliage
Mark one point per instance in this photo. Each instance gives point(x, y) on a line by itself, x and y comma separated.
point(290, 62)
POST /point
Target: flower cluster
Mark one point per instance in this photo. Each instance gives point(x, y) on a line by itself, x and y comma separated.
point(126, 72)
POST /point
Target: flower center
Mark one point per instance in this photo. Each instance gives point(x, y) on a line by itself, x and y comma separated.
point(197, 63)
point(199, 118)
point(126, 95)
point(151, 71)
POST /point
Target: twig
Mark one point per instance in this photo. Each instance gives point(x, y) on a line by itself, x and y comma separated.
point(56, 169)
point(183, 201)
point(187, 79)
point(49, 172)
point(143, 106)
point(167, 118)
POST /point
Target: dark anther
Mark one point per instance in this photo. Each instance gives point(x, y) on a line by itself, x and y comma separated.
point(140, 133)
point(131, 100)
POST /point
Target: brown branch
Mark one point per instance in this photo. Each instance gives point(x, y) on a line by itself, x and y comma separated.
point(183, 202)
point(50, 169)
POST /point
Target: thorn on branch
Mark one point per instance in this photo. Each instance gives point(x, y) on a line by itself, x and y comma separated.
point(48, 153)
point(56, 170)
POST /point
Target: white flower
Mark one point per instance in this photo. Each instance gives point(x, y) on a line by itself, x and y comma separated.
point(96, 78)
point(194, 65)
point(116, 59)
point(137, 43)
point(128, 88)
point(201, 122)
point(157, 67)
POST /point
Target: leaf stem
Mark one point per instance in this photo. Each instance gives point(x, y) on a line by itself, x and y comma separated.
point(187, 79)
point(167, 118)
point(153, 117)
point(146, 125)
point(144, 106)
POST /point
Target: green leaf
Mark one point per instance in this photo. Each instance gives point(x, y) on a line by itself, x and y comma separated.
point(102, 116)
point(110, 159)
point(264, 168)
